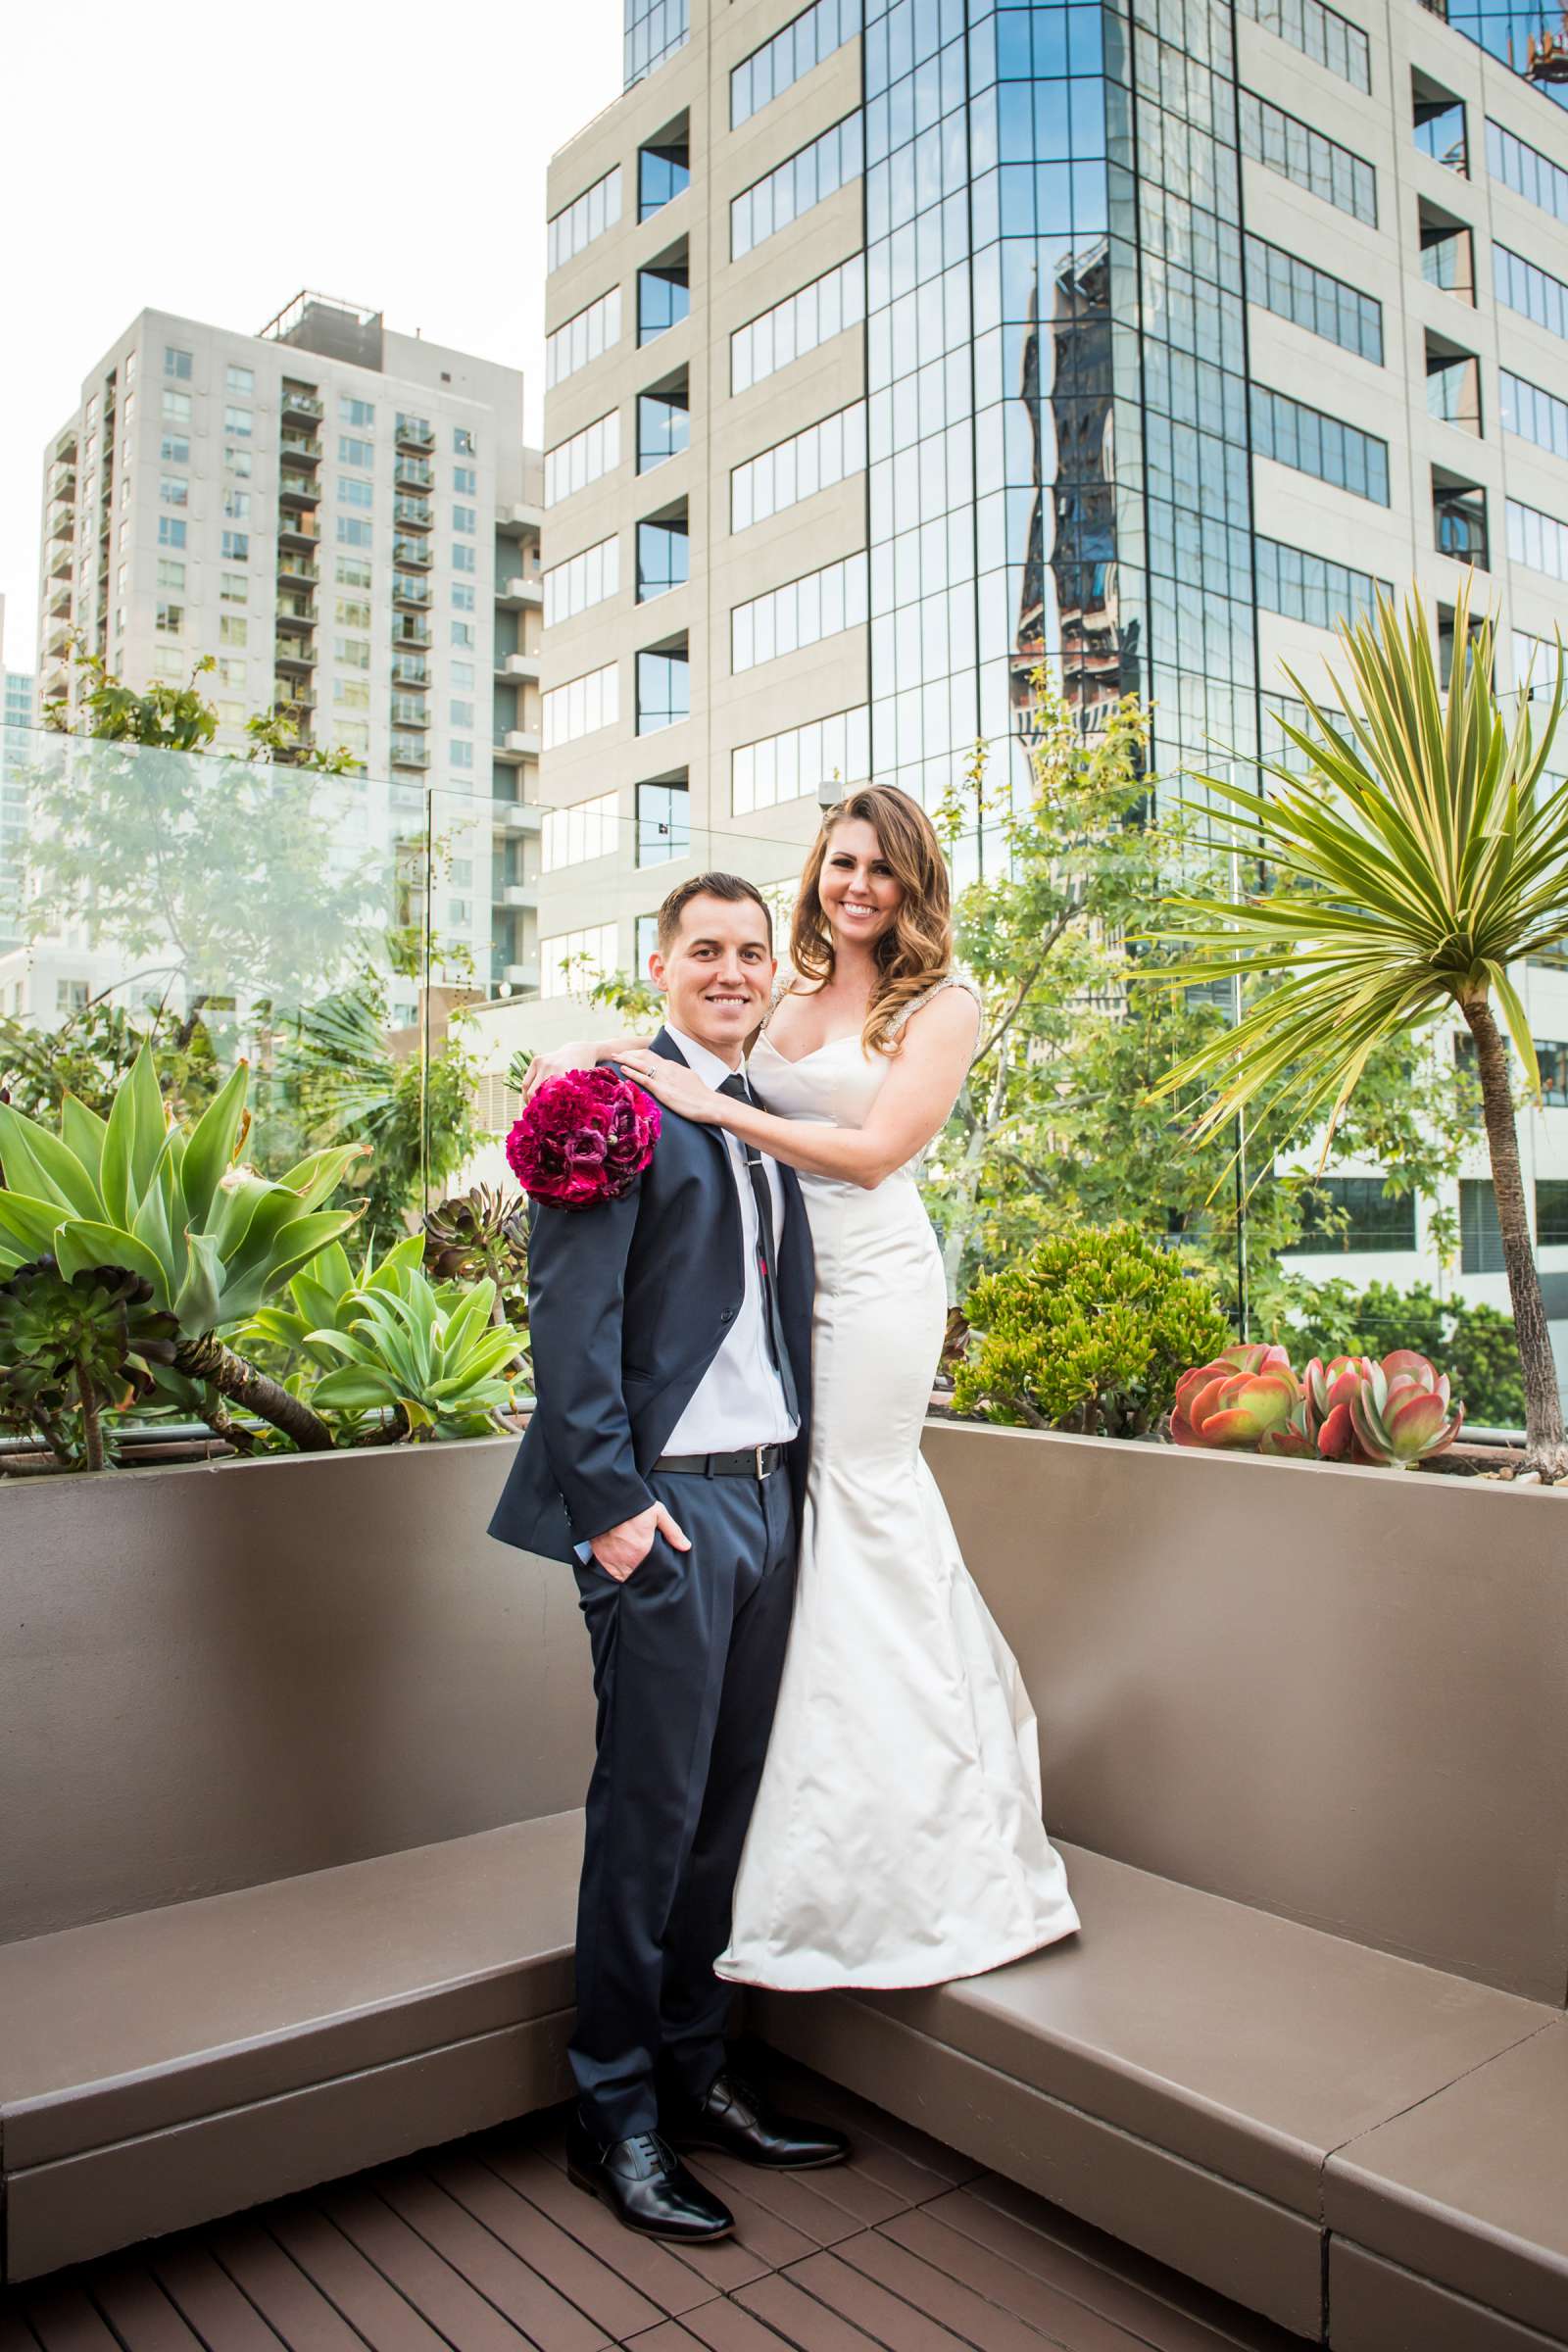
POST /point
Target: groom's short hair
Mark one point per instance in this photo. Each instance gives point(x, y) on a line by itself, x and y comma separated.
point(708, 885)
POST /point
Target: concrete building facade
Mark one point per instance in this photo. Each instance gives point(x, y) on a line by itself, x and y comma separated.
point(348, 521)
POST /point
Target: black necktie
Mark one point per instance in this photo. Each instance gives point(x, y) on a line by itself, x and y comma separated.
point(766, 1254)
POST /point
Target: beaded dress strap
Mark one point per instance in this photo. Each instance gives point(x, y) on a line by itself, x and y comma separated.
point(948, 980)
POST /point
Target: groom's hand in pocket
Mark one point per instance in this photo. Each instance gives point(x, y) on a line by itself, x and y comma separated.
point(621, 1550)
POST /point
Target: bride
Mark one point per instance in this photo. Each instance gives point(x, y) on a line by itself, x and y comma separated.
point(897, 1837)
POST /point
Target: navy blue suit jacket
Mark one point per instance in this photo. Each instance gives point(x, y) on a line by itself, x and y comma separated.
point(628, 1304)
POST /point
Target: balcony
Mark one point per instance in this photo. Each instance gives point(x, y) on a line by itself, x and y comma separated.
point(299, 490)
point(413, 632)
point(58, 605)
point(61, 523)
point(410, 752)
point(292, 565)
point(517, 743)
point(521, 595)
point(519, 665)
point(296, 613)
point(57, 640)
point(411, 551)
point(60, 562)
point(516, 893)
point(301, 404)
point(289, 693)
point(516, 818)
point(414, 432)
point(414, 473)
point(413, 513)
point(411, 593)
point(299, 449)
point(409, 711)
point(411, 669)
point(520, 519)
point(296, 529)
point(294, 654)
point(62, 479)
point(65, 447)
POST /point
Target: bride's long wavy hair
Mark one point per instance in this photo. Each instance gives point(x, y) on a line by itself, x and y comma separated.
point(916, 949)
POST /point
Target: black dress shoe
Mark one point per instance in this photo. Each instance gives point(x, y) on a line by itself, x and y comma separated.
point(646, 2186)
point(734, 2117)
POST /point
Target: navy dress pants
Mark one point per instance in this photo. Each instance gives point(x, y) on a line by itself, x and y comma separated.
point(687, 1656)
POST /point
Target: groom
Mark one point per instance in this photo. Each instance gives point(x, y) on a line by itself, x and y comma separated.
point(667, 1459)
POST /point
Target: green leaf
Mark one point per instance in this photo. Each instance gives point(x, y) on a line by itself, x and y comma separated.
point(29, 1225)
point(149, 1119)
point(199, 1304)
point(353, 1389)
point(39, 1164)
point(80, 1243)
point(211, 1144)
point(84, 1131)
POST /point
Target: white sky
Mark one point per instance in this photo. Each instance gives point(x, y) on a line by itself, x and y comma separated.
point(209, 161)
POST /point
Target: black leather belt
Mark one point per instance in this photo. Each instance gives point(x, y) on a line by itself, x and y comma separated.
point(747, 1462)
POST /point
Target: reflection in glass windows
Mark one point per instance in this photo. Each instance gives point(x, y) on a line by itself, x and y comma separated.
point(1535, 414)
point(1528, 288)
point(1480, 1233)
point(798, 469)
point(1537, 539)
point(587, 217)
point(797, 324)
point(1552, 1191)
point(1325, 447)
point(663, 688)
point(1320, 33)
point(582, 338)
point(1282, 144)
point(800, 762)
point(573, 463)
point(572, 836)
point(1514, 31)
point(663, 299)
point(1294, 289)
point(781, 62)
point(664, 172)
point(801, 613)
point(663, 427)
point(801, 180)
point(570, 961)
point(1526, 170)
point(1459, 518)
point(1355, 1215)
point(582, 706)
point(663, 820)
point(1438, 121)
point(1301, 587)
point(584, 579)
point(655, 31)
point(664, 557)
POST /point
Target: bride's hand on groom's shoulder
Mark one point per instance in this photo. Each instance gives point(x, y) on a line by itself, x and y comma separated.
point(674, 1085)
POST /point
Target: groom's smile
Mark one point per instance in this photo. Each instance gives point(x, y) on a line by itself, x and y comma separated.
point(717, 971)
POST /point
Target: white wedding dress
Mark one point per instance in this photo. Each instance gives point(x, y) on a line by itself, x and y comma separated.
point(897, 1837)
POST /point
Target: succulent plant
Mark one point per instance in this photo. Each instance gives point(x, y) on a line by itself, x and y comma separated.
point(478, 1235)
point(78, 1344)
point(1393, 1413)
point(430, 1355)
point(1248, 1399)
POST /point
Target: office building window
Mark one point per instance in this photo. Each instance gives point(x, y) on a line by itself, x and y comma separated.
point(233, 628)
point(663, 427)
point(582, 706)
point(463, 557)
point(354, 531)
point(801, 180)
point(1552, 1209)
point(1479, 1234)
point(361, 414)
point(175, 409)
point(234, 588)
point(352, 452)
point(587, 217)
point(464, 442)
point(664, 557)
point(175, 449)
point(239, 462)
point(662, 173)
point(350, 694)
point(1303, 156)
point(663, 300)
point(1453, 384)
point(799, 614)
point(174, 490)
point(1537, 539)
point(235, 547)
point(460, 754)
point(237, 505)
point(1459, 519)
point(655, 31)
point(791, 470)
point(352, 612)
point(1294, 289)
point(464, 518)
point(1531, 290)
point(241, 422)
point(1535, 414)
point(459, 713)
point(570, 961)
point(466, 481)
point(781, 62)
point(463, 595)
point(584, 337)
point(1448, 252)
point(241, 379)
point(353, 652)
point(169, 573)
point(352, 572)
point(464, 634)
point(573, 836)
point(1310, 442)
point(583, 459)
point(664, 689)
point(664, 822)
point(1320, 33)
point(170, 620)
point(176, 364)
point(1301, 587)
point(584, 579)
point(1437, 121)
point(1526, 170)
point(170, 531)
point(1355, 1215)
point(352, 491)
point(798, 763)
point(797, 324)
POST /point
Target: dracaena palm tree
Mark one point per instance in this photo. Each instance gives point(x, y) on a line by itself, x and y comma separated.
point(1423, 852)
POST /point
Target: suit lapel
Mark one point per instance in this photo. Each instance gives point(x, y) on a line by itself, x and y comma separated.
point(665, 1046)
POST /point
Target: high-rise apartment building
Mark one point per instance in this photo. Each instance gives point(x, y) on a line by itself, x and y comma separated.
point(895, 346)
point(16, 737)
point(348, 521)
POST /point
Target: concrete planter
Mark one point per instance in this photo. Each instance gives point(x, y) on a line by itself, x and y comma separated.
point(1334, 1694)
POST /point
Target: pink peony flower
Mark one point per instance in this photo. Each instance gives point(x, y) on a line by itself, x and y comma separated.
point(583, 1139)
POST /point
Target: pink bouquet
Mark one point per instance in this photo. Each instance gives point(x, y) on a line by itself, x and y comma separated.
point(583, 1139)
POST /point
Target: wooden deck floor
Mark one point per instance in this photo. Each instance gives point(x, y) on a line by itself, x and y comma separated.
point(484, 2246)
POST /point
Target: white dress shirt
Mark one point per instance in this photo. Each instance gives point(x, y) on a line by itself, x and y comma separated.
point(740, 1398)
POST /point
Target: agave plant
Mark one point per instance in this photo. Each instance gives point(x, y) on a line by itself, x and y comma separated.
point(1423, 852)
point(432, 1356)
point(1395, 1412)
point(82, 1343)
point(1247, 1400)
point(212, 1237)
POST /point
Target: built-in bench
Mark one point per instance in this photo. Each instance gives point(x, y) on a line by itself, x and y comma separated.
point(1305, 2124)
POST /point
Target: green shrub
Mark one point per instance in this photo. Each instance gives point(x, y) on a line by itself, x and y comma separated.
point(1090, 1332)
point(1474, 1345)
